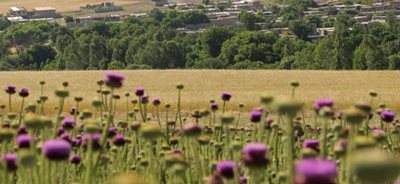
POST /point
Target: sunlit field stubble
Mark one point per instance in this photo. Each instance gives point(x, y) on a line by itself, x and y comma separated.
point(344, 87)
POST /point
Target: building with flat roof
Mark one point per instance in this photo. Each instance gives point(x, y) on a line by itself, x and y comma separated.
point(43, 12)
point(17, 11)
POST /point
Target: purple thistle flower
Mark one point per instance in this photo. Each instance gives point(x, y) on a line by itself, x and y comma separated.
point(10, 160)
point(60, 130)
point(75, 142)
point(11, 89)
point(387, 116)
point(139, 91)
point(156, 102)
point(268, 123)
point(73, 111)
point(65, 136)
point(95, 138)
point(324, 102)
point(226, 96)
point(6, 124)
point(144, 99)
point(254, 154)
point(192, 129)
point(215, 179)
point(114, 80)
point(255, 116)
point(68, 123)
point(23, 141)
point(177, 150)
point(56, 150)
point(214, 106)
point(312, 144)
point(24, 92)
point(341, 145)
point(226, 169)
point(75, 159)
point(119, 140)
point(378, 132)
point(261, 109)
point(316, 171)
point(22, 130)
point(111, 132)
point(243, 180)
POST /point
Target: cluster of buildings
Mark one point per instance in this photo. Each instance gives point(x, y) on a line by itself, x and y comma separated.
point(222, 12)
point(21, 14)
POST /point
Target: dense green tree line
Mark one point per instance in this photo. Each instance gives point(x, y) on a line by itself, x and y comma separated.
point(155, 43)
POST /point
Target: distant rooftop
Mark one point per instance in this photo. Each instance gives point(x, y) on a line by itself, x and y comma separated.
point(15, 8)
point(44, 8)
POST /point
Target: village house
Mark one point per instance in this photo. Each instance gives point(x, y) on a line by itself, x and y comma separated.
point(160, 2)
point(17, 12)
point(42, 12)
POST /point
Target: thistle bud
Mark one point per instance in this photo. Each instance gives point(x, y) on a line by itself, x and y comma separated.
point(91, 126)
point(180, 86)
point(294, 84)
point(6, 134)
point(374, 166)
point(33, 121)
point(150, 132)
point(78, 99)
point(26, 158)
point(227, 119)
point(62, 93)
point(96, 102)
point(266, 99)
point(354, 116)
point(288, 107)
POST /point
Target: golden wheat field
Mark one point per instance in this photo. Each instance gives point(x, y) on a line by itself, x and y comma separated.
point(60, 5)
point(345, 87)
point(73, 5)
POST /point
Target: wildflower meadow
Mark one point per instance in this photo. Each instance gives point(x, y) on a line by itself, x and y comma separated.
point(135, 138)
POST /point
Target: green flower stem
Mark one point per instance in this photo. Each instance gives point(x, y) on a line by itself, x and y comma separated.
point(76, 112)
point(276, 149)
point(178, 111)
point(223, 107)
point(108, 121)
point(289, 153)
point(9, 103)
point(350, 147)
point(324, 151)
point(144, 112)
point(366, 128)
point(238, 118)
point(127, 109)
point(59, 111)
point(89, 155)
point(141, 111)
point(21, 110)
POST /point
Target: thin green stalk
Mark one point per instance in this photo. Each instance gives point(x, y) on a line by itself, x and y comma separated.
point(88, 170)
point(223, 107)
point(289, 156)
point(9, 103)
point(178, 112)
point(59, 111)
point(324, 151)
point(20, 110)
point(158, 116)
point(127, 109)
point(108, 121)
point(141, 111)
point(76, 111)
